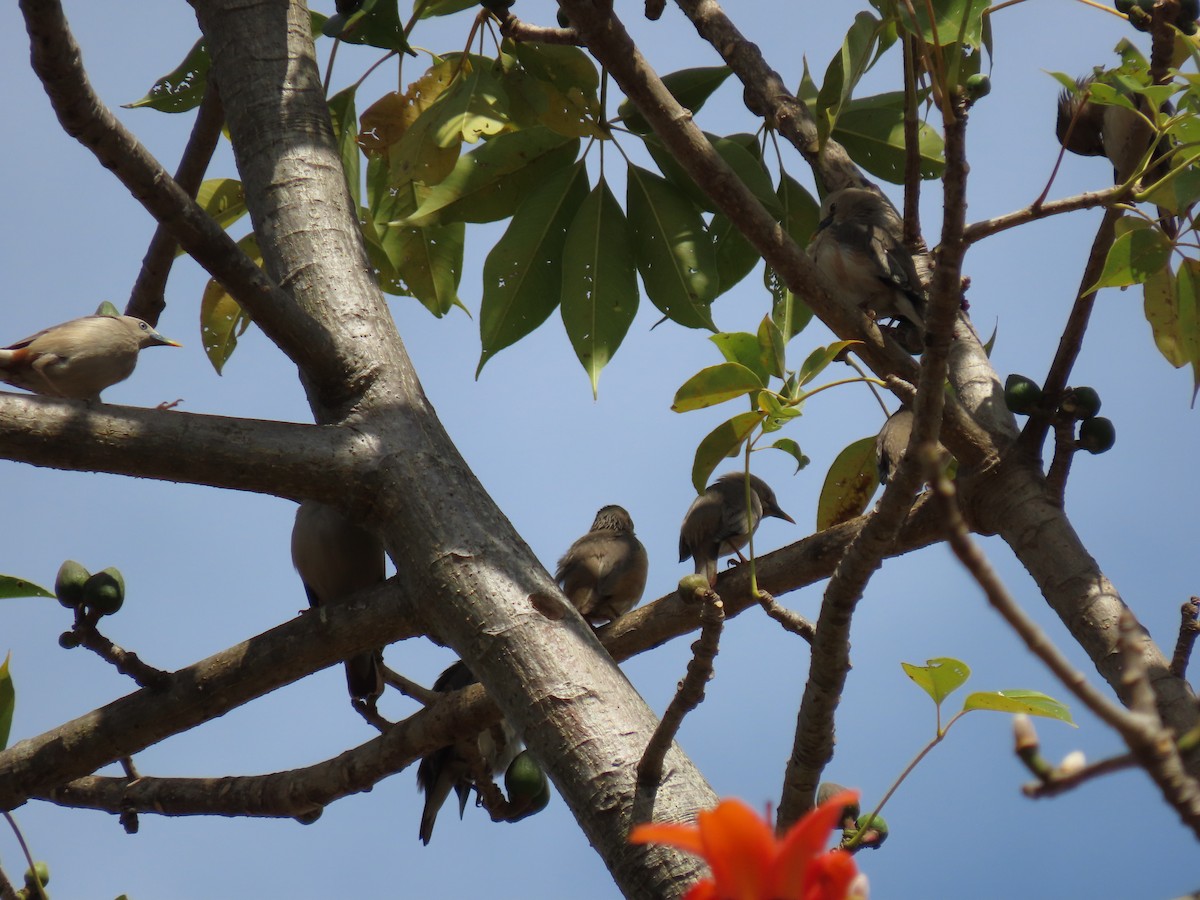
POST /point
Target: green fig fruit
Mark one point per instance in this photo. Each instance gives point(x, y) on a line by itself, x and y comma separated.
point(104, 592)
point(874, 829)
point(1097, 435)
point(1021, 394)
point(978, 85)
point(41, 870)
point(68, 584)
point(1080, 402)
point(1123, 6)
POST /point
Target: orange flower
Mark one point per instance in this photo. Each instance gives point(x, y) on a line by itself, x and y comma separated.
point(749, 863)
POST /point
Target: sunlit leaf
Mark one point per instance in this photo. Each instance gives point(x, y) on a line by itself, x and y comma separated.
point(714, 385)
point(844, 71)
point(445, 7)
point(599, 286)
point(522, 275)
point(222, 319)
point(820, 358)
point(1138, 251)
point(8, 702)
point(849, 484)
point(1161, 304)
point(183, 87)
point(939, 677)
point(223, 199)
point(771, 347)
point(722, 442)
point(488, 183)
point(345, 132)
point(792, 449)
point(743, 347)
point(871, 129)
point(1033, 703)
point(12, 586)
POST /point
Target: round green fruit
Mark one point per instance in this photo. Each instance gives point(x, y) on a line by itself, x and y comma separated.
point(1097, 435)
point(524, 780)
point(978, 85)
point(1021, 394)
point(1080, 402)
point(41, 870)
point(104, 592)
point(874, 833)
point(1123, 6)
point(68, 584)
point(68, 640)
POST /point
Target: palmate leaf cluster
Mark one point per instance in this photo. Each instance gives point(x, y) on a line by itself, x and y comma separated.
point(485, 138)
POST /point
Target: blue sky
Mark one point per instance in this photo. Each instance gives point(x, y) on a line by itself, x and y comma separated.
point(207, 568)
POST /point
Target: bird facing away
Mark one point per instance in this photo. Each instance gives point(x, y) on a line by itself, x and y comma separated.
point(716, 524)
point(859, 246)
point(80, 358)
point(335, 558)
point(450, 767)
point(603, 573)
point(892, 443)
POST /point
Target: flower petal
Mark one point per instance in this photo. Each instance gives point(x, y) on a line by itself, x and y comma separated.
point(740, 849)
point(802, 844)
point(829, 876)
point(685, 837)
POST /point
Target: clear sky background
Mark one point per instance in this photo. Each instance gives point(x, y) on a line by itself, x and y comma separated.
point(207, 568)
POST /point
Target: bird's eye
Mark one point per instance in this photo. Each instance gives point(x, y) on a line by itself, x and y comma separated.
point(143, 326)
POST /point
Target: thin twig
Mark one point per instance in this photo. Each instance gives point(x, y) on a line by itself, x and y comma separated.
point(409, 688)
point(790, 620)
point(511, 26)
point(1189, 628)
point(1056, 783)
point(124, 661)
point(690, 692)
point(1060, 464)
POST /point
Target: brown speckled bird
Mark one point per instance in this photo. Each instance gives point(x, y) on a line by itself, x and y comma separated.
point(716, 523)
point(80, 358)
point(604, 572)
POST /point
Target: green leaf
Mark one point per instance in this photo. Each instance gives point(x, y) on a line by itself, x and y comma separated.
point(8, 702)
point(746, 164)
point(775, 413)
point(871, 129)
point(792, 313)
point(445, 7)
point(939, 677)
point(488, 183)
point(714, 385)
point(1161, 304)
point(849, 484)
point(820, 358)
point(723, 441)
point(567, 81)
point(522, 275)
point(675, 258)
point(12, 586)
point(376, 23)
point(742, 347)
point(1033, 703)
point(222, 319)
point(736, 256)
point(844, 71)
point(954, 21)
point(771, 347)
point(792, 449)
point(801, 211)
point(424, 262)
point(599, 283)
point(1138, 251)
point(474, 105)
point(182, 88)
point(1189, 317)
point(222, 198)
point(345, 132)
point(691, 87)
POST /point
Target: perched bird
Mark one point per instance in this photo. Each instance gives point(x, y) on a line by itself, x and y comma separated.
point(80, 358)
point(859, 245)
point(717, 524)
point(450, 767)
point(892, 443)
point(335, 558)
point(1122, 134)
point(604, 572)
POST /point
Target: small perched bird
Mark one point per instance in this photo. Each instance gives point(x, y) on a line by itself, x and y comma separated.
point(859, 245)
point(450, 767)
point(716, 524)
point(80, 358)
point(335, 558)
point(604, 572)
point(892, 443)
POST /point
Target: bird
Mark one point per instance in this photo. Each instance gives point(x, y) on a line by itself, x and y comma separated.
point(450, 767)
point(79, 359)
point(716, 524)
point(335, 557)
point(892, 443)
point(603, 573)
point(1122, 134)
point(859, 246)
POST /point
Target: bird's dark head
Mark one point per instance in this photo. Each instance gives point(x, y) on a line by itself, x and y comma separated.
point(766, 496)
